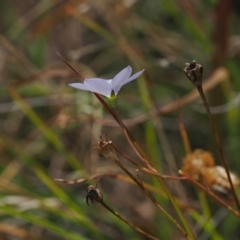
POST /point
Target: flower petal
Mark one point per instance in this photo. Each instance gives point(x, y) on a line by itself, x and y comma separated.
point(98, 85)
point(127, 80)
point(119, 79)
point(78, 85)
point(134, 76)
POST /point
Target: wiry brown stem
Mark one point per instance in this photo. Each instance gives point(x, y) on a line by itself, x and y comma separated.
point(107, 150)
point(162, 176)
point(128, 223)
point(154, 200)
point(140, 153)
point(147, 170)
point(125, 156)
point(217, 138)
point(131, 140)
point(209, 192)
point(194, 73)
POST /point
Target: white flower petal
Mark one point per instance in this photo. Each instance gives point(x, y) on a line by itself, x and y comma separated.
point(127, 80)
point(98, 85)
point(119, 79)
point(78, 85)
point(134, 76)
point(105, 87)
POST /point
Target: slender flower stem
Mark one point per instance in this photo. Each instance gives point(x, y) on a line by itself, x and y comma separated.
point(155, 201)
point(106, 148)
point(217, 138)
point(128, 223)
point(162, 183)
point(162, 176)
point(141, 154)
point(194, 72)
point(132, 142)
point(125, 156)
point(70, 66)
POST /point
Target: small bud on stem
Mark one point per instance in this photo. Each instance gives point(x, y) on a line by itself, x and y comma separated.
point(94, 194)
point(194, 73)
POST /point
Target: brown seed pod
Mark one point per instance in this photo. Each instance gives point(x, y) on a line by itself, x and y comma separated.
point(94, 194)
point(194, 72)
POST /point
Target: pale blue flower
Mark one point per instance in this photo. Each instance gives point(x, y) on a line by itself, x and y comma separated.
point(106, 87)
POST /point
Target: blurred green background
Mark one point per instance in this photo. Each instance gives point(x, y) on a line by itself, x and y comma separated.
point(48, 129)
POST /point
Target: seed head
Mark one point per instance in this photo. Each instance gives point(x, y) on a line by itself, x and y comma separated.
point(106, 149)
point(194, 73)
point(94, 194)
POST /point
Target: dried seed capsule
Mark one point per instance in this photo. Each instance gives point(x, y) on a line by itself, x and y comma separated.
point(194, 73)
point(94, 194)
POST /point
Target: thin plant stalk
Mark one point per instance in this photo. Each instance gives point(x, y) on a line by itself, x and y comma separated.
point(126, 132)
point(146, 169)
point(194, 73)
point(128, 223)
point(141, 154)
point(201, 195)
point(209, 192)
point(154, 200)
point(107, 150)
point(162, 183)
point(132, 142)
point(217, 138)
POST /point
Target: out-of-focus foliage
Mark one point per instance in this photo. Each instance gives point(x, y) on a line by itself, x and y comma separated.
point(48, 129)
